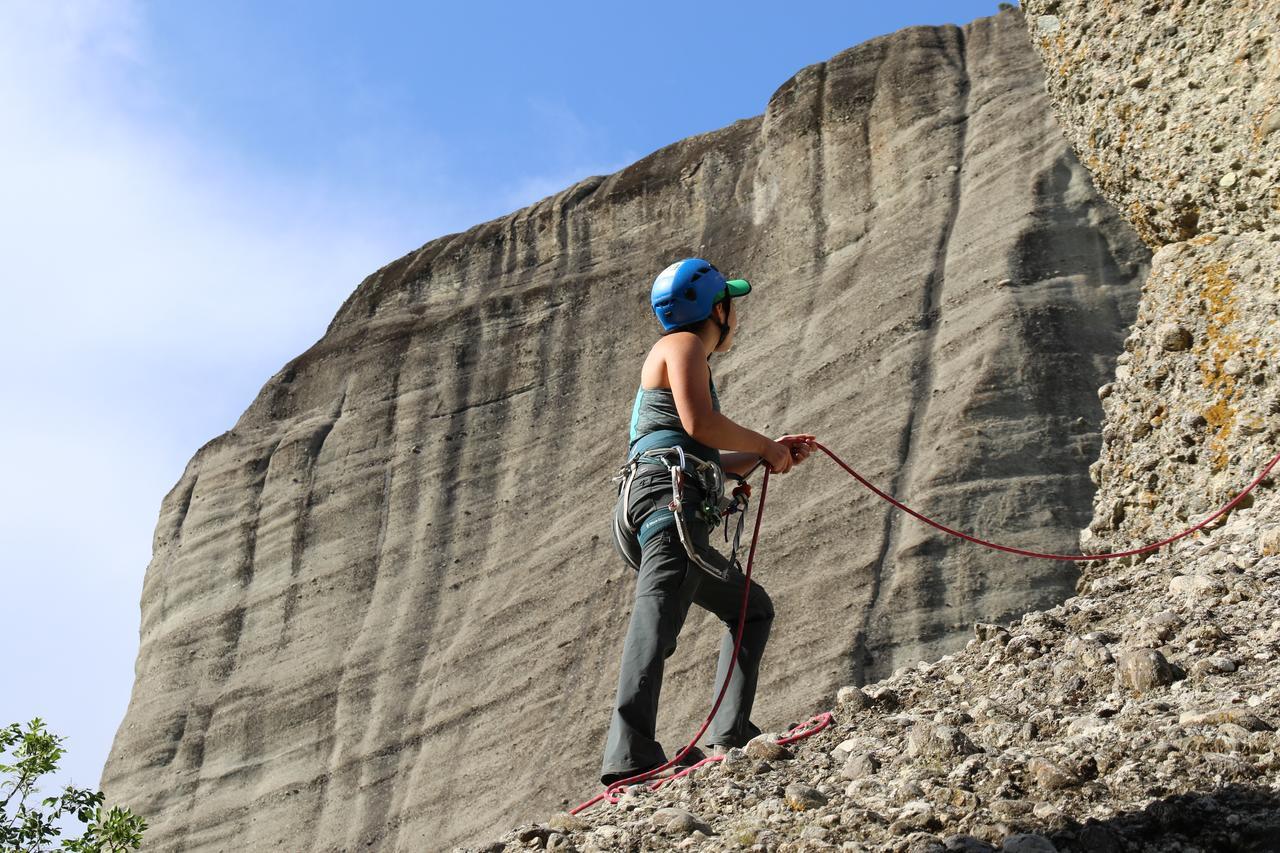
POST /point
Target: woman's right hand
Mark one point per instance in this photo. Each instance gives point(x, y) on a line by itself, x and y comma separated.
point(777, 457)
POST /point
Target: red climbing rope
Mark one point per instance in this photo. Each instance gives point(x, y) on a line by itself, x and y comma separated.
point(1020, 551)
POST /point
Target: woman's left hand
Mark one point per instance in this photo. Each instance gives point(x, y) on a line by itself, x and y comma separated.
point(801, 446)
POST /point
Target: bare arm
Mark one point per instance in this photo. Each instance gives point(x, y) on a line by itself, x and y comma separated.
point(739, 463)
point(800, 446)
point(689, 376)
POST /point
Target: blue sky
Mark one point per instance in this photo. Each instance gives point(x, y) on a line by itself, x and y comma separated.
point(188, 191)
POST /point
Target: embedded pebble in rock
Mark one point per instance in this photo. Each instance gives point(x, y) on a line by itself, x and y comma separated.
point(860, 765)
point(913, 816)
point(802, 797)
point(852, 698)
point(938, 743)
point(1028, 843)
point(558, 842)
point(1050, 775)
point(1213, 664)
point(674, 821)
point(532, 834)
point(1141, 670)
point(1010, 808)
point(1238, 716)
point(1173, 337)
point(1192, 588)
point(966, 844)
point(565, 822)
point(883, 696)
point(1269, 541)
point(765, 747)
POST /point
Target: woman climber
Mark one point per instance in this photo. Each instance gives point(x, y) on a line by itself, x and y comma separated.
point(676, 423)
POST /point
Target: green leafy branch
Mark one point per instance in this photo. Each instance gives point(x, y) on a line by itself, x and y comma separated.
point(25, 828)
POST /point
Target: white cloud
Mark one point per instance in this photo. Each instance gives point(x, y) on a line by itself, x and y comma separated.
point(151, 283)
point(130, 231)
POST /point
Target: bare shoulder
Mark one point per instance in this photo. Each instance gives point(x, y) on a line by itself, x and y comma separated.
point(678, 345)
point(683, 354)
point(680, 351)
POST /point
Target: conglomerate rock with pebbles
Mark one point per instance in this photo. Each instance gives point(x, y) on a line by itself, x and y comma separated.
point(1174, 107)
point(1141, 713)
point(1195, 404)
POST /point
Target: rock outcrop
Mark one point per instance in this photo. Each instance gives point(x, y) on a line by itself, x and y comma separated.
point(383, 610)
point(1141, 713)
point(1182, 141)
point(1173, 106)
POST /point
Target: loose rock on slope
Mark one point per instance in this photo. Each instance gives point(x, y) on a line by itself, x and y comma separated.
point(1057, 754)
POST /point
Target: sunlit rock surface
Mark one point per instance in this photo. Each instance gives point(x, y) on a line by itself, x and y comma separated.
point(383, 610)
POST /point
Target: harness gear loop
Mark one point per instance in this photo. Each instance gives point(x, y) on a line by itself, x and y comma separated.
point(714, 506)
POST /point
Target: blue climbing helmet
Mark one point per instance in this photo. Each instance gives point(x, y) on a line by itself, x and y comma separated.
point(684, 292)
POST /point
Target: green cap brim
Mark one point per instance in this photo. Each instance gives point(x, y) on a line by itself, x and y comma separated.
point(737, 287)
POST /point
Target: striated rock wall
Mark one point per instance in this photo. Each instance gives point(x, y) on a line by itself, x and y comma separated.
point(1174, 107)
point(1140, 714)
point(383, 609)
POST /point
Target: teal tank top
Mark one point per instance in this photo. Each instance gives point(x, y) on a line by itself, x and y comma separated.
point(655, 422)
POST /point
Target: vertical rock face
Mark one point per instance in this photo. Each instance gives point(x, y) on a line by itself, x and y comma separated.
point(1174, 106)
point(383, 611)
point(1140, 714)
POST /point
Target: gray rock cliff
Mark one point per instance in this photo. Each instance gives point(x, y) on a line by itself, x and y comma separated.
point(383, 610)
point(1141, 713)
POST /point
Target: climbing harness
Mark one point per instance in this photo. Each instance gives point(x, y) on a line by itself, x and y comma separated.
point(708, 479)
point(821, 721)
point(611, 793)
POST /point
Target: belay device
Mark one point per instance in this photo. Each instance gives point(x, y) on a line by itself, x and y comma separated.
point(714, 507)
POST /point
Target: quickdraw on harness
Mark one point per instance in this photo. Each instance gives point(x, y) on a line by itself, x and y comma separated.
point(714, 506)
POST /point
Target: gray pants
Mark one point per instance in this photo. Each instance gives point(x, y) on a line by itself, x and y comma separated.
point(667, 584)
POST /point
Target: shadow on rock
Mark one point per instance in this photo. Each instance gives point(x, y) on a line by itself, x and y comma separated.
point(1236, 818)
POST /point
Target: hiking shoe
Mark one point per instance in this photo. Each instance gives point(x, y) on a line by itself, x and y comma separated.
point(693, 757)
